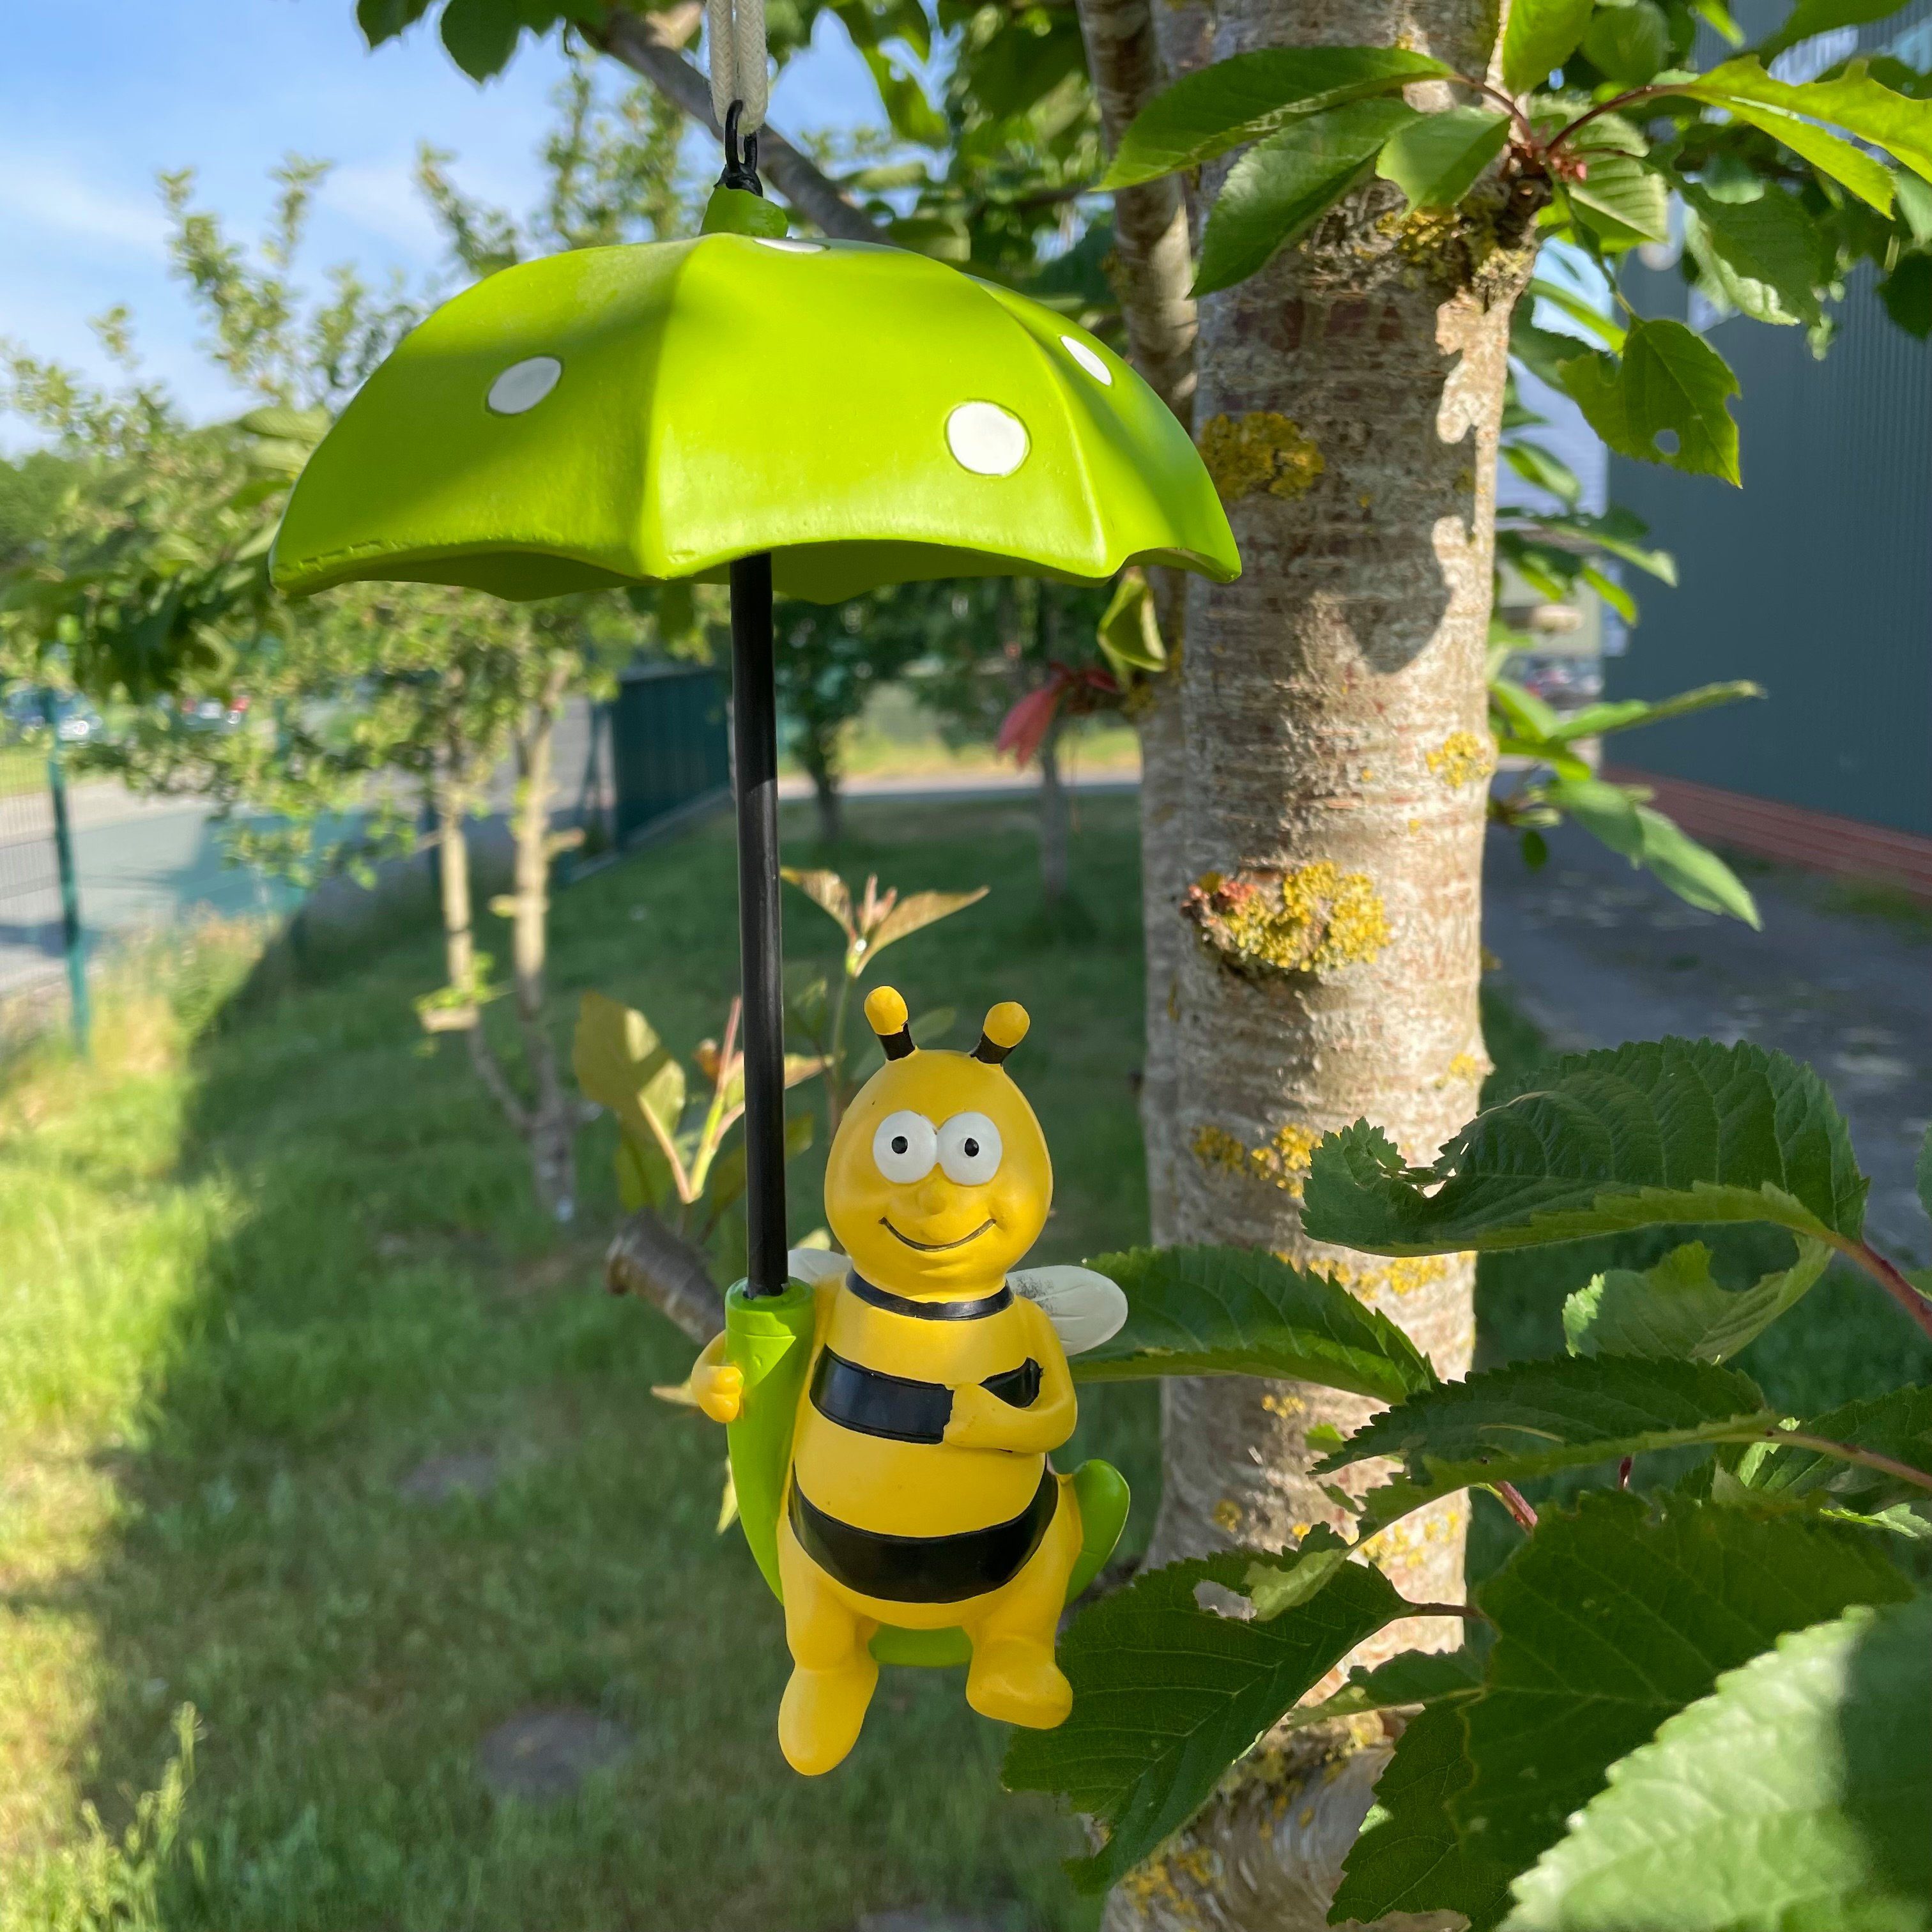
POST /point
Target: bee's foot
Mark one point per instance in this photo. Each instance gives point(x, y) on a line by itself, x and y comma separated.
point(1016, 1681)
point(822, 1712)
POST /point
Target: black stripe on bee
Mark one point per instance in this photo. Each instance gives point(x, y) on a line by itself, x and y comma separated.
point(925, 1569)
point(898, 1407)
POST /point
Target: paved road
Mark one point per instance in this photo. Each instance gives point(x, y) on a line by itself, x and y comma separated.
point(1596, 954)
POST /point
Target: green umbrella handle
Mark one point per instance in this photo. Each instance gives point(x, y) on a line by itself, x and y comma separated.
point(755, 740)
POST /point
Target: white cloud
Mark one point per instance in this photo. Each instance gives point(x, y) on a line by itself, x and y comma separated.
point(41, 192)
point(381, 197)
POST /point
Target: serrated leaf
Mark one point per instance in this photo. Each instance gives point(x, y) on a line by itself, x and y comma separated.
point(1620, 200)
point(1610, 1620)
point(1409, 1857)
point(1282, 185)
point(1283, 1581)
point(1167, 1695)
point(1532, 1419)
point(480, 34)
point(1670, 383)
point(1766, 256)
point(913, 913)
point(1796, 1793)
point(1675, 1309)
point(1195, 1311)
point(1650, 1133)
point(1540, 36)
point(1251, 96)
point(1851, 99)
point(1897, 1424)
point(1436, 161)
point(383, 20)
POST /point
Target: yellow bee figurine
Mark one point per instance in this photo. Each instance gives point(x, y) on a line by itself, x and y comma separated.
point(919, 1498)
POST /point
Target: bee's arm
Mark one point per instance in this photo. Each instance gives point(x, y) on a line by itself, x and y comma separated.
point(982, 1420)
point(717, 1385)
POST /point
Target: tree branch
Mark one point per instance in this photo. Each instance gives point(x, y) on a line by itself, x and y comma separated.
point(631, 38)
point(650, 1258)
point(1151, 241)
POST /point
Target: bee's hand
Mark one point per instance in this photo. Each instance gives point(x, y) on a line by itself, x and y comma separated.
point(980, 1420)
point(719, 1388)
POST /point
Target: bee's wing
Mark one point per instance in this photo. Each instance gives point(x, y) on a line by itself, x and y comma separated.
point(815, 1264)
point(1085, 1308)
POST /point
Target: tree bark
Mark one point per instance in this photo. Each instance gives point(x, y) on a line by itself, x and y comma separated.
point(631, 39)
point(1348, 402)
point(650, 1258)
point(821, 766)
point(1133, 50)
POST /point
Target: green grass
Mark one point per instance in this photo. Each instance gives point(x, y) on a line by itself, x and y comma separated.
point(273, 1250)
point(272, 1253)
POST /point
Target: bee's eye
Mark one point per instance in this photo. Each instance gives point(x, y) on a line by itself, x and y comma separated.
point(904, 1147)
point(969, 1149)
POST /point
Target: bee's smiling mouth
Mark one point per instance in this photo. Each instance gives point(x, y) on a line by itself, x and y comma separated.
point(935, 1247)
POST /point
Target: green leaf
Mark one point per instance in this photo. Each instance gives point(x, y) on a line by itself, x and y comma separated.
point(1766, 256)
point(1675, 1309)
point(1692, 871)
point(1716, 16)
point(1612, 1619)
point(1620, 201)
point(1650, 1133)
point(621, 1063)
point(1198, 1311)
point(1436, 161)
point(1282, 185)
point(1897, 1424)
point(1606, 329)
point(1532, 1419)
point(1409, 1857)
point(1629, 42)
point(1412, 1678)
point(1851, 99)
point(913, 913)
point(1167, 1695)
point(1907, 293)
point(383, 20)
point(1206, 113)
point(1606, 811)
point(912, 116)
point(1282, 1582)
point(1540, 36)
point(1543, 471)
point(481, 35)
point(1669, 383)
point(1129, 628)
point(1796, 1793)
point(1627, 714)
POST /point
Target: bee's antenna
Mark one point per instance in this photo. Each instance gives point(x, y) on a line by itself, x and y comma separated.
point(886, 1012)
point(1005, 1027)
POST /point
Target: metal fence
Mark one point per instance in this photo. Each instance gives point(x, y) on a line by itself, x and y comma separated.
point(670, 749)
point(1816, 577)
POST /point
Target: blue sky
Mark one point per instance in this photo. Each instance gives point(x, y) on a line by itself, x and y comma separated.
point(228, 87)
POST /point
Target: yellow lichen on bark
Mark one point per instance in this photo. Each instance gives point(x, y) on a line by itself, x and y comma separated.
point(1315, 919)
point(1461, 758)
point(1404, 1275)
point(1282, 1160)
point(1261, 450)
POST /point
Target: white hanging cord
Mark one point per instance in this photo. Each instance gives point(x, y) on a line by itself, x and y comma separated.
point(735, 29)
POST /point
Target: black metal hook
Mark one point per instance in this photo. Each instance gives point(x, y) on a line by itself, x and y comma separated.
point(741, 157)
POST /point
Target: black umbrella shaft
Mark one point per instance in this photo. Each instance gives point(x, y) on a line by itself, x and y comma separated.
point(754, 738)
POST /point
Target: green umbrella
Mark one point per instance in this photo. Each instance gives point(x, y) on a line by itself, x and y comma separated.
point(821, 417)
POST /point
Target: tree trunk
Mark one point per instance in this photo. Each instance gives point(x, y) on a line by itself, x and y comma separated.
point(553, 1122)
point(1133, 50)
point(821, 766)
point(1053, 814)
point(1348, 404)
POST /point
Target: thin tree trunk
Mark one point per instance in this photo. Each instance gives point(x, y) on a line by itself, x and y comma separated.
point(821, 766)
point(1348, 402)
point(1053, 817)
point(551, 1133)
point(1133, 50)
